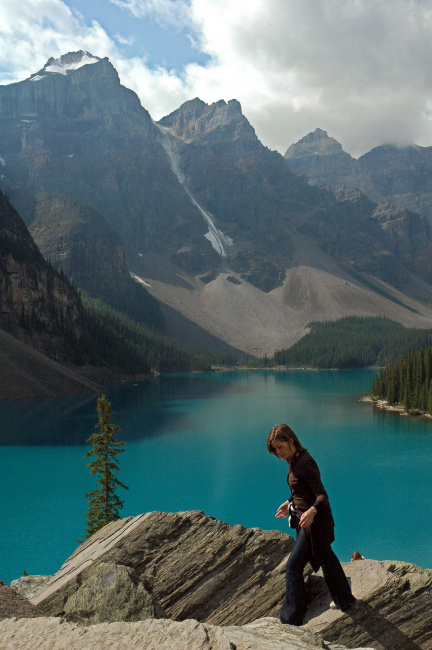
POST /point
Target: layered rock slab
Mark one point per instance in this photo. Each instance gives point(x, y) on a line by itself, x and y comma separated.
point(394, 609)
point(13, 604)
point(194, 566)
point(52, 634)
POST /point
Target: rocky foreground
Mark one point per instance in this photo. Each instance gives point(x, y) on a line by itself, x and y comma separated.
point(188, 581)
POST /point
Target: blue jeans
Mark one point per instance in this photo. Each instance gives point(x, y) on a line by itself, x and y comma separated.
point(294, 605)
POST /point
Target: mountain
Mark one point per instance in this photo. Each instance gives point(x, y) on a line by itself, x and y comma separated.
point(44, 320)
point(214, 224)
point(263, 207)
point(72, 129)
point(40, 318)
point(75, 238)
point(387, 173)
point(37, 305)
point(27, 373)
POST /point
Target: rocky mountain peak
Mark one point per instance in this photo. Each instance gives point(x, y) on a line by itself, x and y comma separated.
point(316, 143)
point(65, 64)
point(196, 118)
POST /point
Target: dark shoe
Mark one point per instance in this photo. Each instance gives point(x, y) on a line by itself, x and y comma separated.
point(350, 608)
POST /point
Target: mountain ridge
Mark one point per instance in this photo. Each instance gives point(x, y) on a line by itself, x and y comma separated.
point(387, 173)
point(214, 224)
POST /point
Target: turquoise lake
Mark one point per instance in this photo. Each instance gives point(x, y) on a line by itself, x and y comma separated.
point(198, 442)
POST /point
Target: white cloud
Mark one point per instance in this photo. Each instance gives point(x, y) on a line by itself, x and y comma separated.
point(161, 91)
point(358, 68)
point(31, 31)
point(169, 12)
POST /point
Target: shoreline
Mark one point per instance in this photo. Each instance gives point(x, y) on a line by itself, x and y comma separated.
point(383, 405)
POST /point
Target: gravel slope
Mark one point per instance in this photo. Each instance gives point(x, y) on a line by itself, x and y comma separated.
point(259, 323)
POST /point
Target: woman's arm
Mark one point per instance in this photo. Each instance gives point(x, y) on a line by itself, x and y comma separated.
point(312, 476)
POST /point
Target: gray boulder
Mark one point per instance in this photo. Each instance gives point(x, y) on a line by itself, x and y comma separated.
point(110, 593)
point(28, 586)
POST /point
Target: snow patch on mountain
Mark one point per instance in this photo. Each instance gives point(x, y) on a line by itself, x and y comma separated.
point(66, 63)
point(2, 161)
point(140, 280)
point(216, 237)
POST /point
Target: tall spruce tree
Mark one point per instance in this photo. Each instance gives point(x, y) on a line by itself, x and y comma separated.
point(104, 502)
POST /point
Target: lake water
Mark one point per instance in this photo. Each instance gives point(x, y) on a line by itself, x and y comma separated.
point(198, 442)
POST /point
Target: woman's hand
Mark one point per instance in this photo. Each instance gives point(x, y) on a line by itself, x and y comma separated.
point(307, 518)
point(282, 511)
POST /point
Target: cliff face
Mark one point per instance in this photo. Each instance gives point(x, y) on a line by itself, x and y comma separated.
point(262, 206)
point(75, 238)
point(390, 243)
point(244, 187)
point(322, 160)
point(79, 133)
point(36, 304)
point(402, 176)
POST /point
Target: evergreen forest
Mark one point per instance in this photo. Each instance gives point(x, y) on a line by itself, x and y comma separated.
point(117, 341)
point(407, 382)
point(351, 342)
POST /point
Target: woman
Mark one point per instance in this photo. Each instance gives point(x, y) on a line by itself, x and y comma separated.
point(315, 528)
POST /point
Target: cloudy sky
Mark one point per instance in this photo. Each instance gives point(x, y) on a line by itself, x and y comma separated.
point(360, 69)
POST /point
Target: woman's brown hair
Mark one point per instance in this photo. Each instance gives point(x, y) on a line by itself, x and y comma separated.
point(283, 433)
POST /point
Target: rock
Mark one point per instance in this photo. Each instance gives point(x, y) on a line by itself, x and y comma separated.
point(75, 238)
point(53, 634)
point(29, 586)
point(394, 607)
point(13, 605)
point(400, 175)
point(37, 305)
point(270, 633)
point(111, 593)
point(197, 567)
point(262, 273)
point(193, 565)
point(321, 159)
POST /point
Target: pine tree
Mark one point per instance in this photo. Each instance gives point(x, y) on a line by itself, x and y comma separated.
point(104, 503)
